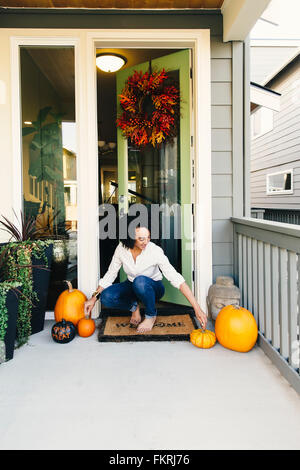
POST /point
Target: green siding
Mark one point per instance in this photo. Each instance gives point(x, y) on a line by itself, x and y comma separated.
point(104, 19)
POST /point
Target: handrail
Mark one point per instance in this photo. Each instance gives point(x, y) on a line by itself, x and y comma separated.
point(267, 271)
point(281, 227)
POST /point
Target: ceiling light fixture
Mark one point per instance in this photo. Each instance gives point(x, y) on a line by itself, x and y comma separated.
point(110, 62)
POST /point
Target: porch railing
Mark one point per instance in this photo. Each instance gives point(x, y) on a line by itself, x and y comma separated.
point(267, 271)
point(287, 216)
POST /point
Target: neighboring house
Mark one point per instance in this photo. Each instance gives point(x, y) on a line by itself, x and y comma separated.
point(48, 58)
point(275, 147)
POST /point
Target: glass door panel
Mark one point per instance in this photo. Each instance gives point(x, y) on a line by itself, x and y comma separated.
point(163, 176)
point(49, 154)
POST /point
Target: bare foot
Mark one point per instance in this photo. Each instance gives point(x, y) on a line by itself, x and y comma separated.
point(136, 317)
point(146, 325)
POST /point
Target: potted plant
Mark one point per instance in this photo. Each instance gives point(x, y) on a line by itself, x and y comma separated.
point(24, 254)
point(9, 302)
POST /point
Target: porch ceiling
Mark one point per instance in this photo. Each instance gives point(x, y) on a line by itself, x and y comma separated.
point(134, 4)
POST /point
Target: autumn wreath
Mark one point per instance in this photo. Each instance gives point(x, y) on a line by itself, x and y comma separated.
point(150, 107)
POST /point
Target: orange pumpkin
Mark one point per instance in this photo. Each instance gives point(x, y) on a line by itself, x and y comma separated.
point(70, 305)
point(203, 339)
point(86, 327)
point(236, 328)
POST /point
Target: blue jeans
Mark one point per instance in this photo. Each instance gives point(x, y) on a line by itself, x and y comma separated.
point(125, 295)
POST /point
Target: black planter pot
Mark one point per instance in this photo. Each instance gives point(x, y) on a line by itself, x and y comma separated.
point(41, 279)
point(12, 304)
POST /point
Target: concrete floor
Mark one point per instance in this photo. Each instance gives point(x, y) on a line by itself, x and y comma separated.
point(144, 395)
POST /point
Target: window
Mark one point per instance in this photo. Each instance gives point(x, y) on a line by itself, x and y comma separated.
point(262, 121)
point(49, 154)
point(280, 182)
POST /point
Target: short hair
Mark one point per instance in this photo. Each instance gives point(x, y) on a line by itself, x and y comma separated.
point(127, 233)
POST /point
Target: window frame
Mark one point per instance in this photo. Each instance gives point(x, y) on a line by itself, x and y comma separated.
point(283, 191)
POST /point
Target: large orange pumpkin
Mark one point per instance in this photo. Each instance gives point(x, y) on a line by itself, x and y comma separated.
point(236, 328)
point(70, 305)
point(203, 339)
point(86, 327)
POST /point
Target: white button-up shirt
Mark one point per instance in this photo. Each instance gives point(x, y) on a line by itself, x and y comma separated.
point(149, 263)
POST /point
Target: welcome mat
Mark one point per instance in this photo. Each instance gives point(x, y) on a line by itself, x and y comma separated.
point(166, 328)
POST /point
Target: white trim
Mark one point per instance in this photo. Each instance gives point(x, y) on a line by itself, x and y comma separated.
point(51, 40)
point(16, 42)
point(237, 130)
point(202, 155)
point(247, 129)
point(85, 42)
point(17, 183)
point(264, 98)
point(199, 42)
point(284, 191)
point(239, 17)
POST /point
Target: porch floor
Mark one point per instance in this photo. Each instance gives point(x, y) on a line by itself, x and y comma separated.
point(148, 395)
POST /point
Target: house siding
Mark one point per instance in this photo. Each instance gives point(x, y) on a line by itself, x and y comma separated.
point(222, 185)
point(221, 99)
point(279, 149)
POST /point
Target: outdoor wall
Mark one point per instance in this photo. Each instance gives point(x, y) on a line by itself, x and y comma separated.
point(279, 149)
point(221, 99)
point(221, 89)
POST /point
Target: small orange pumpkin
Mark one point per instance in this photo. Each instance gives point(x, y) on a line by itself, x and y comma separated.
point(70, 305)
point(86, 327)
point(236, 328)
point(203, 339)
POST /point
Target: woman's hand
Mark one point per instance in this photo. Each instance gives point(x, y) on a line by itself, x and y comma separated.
point(89, 305)
point(202, 317)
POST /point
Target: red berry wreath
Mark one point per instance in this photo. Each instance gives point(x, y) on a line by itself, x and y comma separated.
point(150, 109)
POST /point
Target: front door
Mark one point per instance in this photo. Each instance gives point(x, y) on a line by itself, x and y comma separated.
point(163, 176)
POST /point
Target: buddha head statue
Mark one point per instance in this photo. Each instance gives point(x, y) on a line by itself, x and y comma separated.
point(222, 293)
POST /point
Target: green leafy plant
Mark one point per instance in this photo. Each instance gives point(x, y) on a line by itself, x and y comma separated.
point(18, 267)
point(5, 287)
point(27, 231)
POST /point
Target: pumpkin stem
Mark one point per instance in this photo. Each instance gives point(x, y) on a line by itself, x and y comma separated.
point(70, 287)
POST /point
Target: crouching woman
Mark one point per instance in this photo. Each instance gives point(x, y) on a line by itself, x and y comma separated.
point(145, 263)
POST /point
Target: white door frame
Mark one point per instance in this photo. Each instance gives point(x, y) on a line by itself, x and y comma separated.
point(85, 43)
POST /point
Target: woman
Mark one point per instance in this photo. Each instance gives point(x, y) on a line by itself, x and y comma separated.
point(142, 261)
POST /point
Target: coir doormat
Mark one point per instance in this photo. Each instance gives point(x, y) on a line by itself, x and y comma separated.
point(166, 328)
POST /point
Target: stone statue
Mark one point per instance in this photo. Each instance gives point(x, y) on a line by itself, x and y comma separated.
point(220, 294)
